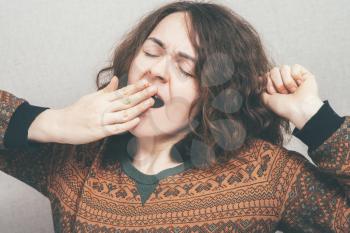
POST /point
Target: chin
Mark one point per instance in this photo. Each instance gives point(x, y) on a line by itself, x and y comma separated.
point(146, 127)
point(150, 128)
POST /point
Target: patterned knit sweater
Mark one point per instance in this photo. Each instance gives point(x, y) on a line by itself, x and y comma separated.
point(264, 188)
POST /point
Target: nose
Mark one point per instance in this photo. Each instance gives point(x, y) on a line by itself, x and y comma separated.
point(159, 69)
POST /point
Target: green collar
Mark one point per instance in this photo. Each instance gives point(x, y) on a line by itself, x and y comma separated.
point(143, 178)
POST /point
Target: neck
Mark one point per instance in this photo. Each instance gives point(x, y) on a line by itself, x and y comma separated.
point(153, 154)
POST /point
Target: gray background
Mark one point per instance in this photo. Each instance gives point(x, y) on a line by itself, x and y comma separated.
point(50, 52)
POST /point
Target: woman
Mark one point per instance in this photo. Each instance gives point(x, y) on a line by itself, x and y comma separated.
point(200, 152)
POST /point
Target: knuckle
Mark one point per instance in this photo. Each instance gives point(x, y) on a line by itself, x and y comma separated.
point(285, 66)
point(295, 67)
point(267, 74)
point(116, 128)
point(138, 96)
point(280, 88)
point(143, 106)
point(290, 84)
point(275, 72)
point(145, 92)
point(285, 69)
point(126, 101)
point(125, 115)
point(275, 69)
point(118, 93)
point(124, 92)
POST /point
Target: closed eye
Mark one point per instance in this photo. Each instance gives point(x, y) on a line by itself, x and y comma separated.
point(185, 73)
point(182, 71)
point(149, 55)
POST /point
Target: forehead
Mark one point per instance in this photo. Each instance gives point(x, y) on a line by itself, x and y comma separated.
point(173, 31)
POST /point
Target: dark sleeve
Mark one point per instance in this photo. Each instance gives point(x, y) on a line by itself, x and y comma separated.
point(320, 127)
point(317, 198)
point(16, 135)
point(32, 165)
point(327, 136)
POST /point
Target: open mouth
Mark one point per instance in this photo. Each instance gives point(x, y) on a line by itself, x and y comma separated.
point(158, 102)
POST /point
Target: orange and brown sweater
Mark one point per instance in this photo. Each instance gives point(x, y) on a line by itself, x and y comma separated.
point(263, 189)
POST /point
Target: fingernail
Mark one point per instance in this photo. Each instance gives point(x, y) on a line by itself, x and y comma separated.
point(144, 82)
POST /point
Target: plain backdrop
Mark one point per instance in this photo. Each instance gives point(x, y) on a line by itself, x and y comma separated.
point(51, 51)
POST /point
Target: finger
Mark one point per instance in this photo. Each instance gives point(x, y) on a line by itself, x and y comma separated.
point(120, 128)
point(128, 90)
point(131, 100)
point(296, 72)
point(127, 114)
point(270, 88)
point(268, 99)
point(277, 81)
point(287, 79)
point(300, 74)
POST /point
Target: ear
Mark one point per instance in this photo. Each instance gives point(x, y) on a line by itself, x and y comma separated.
point(112, 86)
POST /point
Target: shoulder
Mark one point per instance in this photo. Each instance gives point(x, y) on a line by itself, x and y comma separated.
point(81, 155)
point(262, 149)
point(258, 167)
point(263, 161)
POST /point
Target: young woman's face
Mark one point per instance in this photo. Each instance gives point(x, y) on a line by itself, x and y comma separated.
point(167, 60)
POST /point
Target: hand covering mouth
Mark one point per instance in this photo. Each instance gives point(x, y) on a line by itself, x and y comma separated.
point(158, 101)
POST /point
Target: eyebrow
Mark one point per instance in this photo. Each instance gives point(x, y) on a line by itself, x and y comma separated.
point(161, 44)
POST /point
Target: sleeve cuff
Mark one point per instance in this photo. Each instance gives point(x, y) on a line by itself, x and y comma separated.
point(16, 135)
point(320, 127)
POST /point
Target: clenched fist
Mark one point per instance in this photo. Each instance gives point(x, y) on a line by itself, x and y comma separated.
point(292, 93)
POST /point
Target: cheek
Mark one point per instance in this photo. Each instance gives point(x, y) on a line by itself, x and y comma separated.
point(186, 96)
point(141, 63)
point(135, 70)
point(178, 111)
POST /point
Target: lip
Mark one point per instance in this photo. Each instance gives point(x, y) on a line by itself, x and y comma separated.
point(159, 96)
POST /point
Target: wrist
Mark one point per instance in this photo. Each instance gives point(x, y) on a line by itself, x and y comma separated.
point(46, 127)
point(305, 110)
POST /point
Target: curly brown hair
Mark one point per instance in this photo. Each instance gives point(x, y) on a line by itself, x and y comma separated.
point(230, 60)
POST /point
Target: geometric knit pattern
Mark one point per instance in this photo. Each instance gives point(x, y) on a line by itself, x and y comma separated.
point(263, 189)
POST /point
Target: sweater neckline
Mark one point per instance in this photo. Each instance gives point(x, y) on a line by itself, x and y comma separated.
point(143, 178)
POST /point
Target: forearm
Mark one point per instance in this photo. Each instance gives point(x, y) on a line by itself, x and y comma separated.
point(45, 127)
point(30, 125)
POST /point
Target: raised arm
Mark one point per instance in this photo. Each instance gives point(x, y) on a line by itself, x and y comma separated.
point(327, 136)
point(317, 199)
point(312, 199)
point(93, 117)
point(18, 158)
point(16, 115)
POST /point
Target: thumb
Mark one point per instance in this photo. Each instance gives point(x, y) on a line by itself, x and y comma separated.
point(112, 86)
point(269, 99)
point(265, 98)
